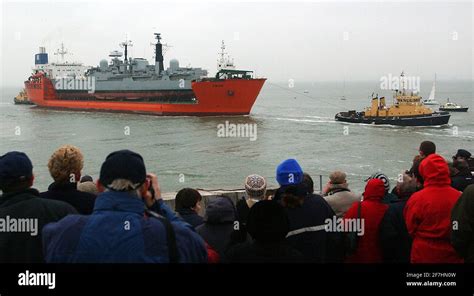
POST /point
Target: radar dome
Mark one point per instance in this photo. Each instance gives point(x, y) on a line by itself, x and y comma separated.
point(174, 65)
point(103, 65)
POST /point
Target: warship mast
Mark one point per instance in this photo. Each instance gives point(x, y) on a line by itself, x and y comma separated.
point(125, 45)
point(159, 66)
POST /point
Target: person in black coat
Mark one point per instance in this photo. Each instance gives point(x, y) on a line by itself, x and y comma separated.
point(335, 240)
point(268, 226)
point(308, 215)
point(255, 191)
point(188, 205)
point(20, 201)
point(220, 220)
point(394, 238)
point(462, 218)
point(65, 166)
point(83, 202)
point(461, 175)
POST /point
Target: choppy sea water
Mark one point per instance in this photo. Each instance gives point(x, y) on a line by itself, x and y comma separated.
point(293, 122)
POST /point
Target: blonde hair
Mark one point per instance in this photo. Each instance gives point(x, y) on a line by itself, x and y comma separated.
point(65, 161)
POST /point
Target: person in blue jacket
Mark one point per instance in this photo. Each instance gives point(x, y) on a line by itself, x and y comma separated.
point(130, 222)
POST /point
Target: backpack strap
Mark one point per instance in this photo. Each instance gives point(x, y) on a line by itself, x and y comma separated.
point(170, 237)
point(337, 190)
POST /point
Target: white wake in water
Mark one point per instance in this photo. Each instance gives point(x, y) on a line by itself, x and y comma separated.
point(305, 120)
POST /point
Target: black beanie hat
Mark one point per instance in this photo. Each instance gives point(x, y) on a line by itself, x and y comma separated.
point(267, 222)
point(123, 164)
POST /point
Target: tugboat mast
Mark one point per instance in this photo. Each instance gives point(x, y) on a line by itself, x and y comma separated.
point(402, 81)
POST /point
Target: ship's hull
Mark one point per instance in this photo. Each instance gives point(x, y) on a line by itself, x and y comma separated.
point(207, 98)
point(437, 118)
point(464, 109)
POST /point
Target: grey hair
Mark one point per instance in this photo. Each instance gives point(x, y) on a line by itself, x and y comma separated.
point(124, 185)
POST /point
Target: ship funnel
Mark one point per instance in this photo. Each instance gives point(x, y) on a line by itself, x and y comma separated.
point(41, 58)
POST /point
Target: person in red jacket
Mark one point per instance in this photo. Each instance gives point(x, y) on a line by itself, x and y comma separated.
point(372, 212)
point(428, 213)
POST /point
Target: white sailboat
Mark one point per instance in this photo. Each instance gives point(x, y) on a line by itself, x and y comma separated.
point(431, 99)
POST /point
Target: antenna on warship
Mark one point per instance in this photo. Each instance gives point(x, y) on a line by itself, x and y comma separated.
point(125, 45)
point(159, 66)
point(165, 46)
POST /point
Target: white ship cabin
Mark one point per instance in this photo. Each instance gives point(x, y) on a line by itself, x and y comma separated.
point(63, 69)
point(66, 70)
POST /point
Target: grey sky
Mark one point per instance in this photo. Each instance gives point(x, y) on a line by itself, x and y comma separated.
point(281, 41)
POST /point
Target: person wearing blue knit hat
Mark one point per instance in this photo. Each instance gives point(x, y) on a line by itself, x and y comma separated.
point(289, 176)
point(307, 216)
point(289, 172)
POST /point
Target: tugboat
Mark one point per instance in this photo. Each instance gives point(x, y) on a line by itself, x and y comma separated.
point(408, 110)
point(452, 107)
point(22, 99)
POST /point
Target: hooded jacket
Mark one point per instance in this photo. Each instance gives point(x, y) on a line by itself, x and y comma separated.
point(372, 212)
point(427, 214)
point(219, 224)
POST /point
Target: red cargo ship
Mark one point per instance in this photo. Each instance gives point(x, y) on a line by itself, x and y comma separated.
point(132, 85)
point(233, 95)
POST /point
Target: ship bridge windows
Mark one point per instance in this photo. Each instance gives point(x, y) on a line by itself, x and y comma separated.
point(234, 74)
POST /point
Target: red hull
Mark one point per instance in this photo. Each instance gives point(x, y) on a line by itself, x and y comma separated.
point(219, 97)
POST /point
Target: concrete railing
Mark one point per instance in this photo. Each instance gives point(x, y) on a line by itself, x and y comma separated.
point(207, 195)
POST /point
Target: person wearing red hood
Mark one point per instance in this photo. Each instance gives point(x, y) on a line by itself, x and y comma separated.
point(371, 213)
point(428, 214)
